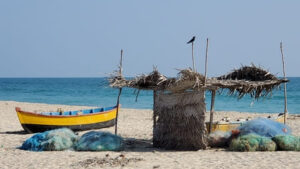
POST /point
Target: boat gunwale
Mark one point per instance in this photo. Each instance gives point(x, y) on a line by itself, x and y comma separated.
point(18, 110)
point(240, 122)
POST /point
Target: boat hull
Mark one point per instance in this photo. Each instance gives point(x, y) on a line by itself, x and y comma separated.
point(222, 127)
point(225, 127)
point(35, 128)
point(33, 122)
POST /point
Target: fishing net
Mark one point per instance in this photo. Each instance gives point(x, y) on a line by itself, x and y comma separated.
point(99, 141)
point(219, 139)
point(264, 127)
point(53, 140)
point(287, 142)
point(252, 142)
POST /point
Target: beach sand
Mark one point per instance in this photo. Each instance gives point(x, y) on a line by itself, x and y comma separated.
point(135, 125)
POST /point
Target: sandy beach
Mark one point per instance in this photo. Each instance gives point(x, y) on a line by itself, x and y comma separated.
point(134, 125)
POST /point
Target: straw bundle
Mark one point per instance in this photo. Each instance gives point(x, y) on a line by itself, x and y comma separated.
point(249, 73)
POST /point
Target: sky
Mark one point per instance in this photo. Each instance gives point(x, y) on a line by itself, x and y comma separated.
point(73, 38)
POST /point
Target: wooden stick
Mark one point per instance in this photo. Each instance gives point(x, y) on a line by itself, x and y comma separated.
point(120, 91)
point(193, 56)
point(212, 105)
point(206, 54)
point(154, 117)
point(121, 60)
point(285, 92)
point(116, 119)
point(137, 95)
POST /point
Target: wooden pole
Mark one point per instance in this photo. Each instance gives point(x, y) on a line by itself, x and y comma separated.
point(154, 112)
point(116, 119)
point(285, 92)
point(154, 118)
point(120, 91)
point(206, 54)
point(193, 56)
point(212, 105)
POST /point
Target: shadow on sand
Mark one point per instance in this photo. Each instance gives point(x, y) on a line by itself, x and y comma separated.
point(21, 132)
point(141, 145)
point(138, 145)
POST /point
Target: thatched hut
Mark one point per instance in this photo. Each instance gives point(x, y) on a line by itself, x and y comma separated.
point(179, 103)
point(178, 116)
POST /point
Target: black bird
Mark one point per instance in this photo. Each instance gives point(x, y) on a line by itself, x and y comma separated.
point(192, 40)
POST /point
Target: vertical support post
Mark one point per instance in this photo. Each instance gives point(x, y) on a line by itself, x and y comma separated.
point(206, 54)
point(117, 114)
point(212, 105)
point(193, 57)
point(285, 92)
point(154, 117)
point(121, 63)
point(120, 91)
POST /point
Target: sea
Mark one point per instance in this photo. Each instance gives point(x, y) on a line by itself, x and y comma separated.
point(96, 92)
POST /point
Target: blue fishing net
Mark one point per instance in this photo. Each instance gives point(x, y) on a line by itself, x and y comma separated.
point(99, 141)
point(53, 140)
point(264, 127)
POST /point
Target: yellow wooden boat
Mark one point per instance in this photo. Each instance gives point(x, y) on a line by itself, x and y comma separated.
point(229, 126)
point(75, 120)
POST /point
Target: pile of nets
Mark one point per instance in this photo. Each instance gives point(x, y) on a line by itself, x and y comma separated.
point(263, 134)
point(53, 140)
point(287, 142)
point(64, 139)
point(99, 141)
point(252, 142)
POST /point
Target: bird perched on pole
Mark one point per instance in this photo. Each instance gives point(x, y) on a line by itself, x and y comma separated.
point(192, 40)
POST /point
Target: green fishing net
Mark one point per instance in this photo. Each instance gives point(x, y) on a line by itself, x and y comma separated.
point(99, 141)
point(53, 140)
point(252, 142)
point(287, 142)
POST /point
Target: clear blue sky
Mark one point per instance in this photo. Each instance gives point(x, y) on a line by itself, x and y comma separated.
point(69, 38)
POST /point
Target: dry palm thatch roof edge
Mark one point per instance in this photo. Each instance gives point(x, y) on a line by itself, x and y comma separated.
point(246, 80)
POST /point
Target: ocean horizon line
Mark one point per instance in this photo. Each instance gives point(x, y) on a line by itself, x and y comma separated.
point(79, 77)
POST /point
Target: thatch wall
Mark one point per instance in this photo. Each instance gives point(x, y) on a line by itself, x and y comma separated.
point(180, 121)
